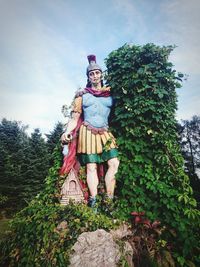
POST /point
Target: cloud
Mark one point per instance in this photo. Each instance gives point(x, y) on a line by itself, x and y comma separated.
point(188, 98)
point(188, 109)
point(38, 111)
point(165, 22)
point(44, 45)
point(133, 19)
point(183, 29)
point(35, 78)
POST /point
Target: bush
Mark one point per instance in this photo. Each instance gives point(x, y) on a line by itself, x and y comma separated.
point(43, 233)
point(151, 176)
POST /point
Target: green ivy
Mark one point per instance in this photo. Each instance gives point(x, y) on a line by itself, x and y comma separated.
point(35, 239)
point(151, 177)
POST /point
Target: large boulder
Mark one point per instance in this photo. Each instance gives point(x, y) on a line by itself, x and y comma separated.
point(94, 249)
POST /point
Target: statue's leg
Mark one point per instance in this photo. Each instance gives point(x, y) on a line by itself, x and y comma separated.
point(92, 178)
point(113, 165)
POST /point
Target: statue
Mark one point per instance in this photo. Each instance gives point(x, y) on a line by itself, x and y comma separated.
point(87, 132)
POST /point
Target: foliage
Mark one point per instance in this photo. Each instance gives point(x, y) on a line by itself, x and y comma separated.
point(189, 139)
point(35, 166)
point(151, 175)
point(3, 199)
point(13, 146)
point(53, 138)
point(43, 233)
point(4, 227)
point(39, 239)
point(148, 245)
point(24, 162)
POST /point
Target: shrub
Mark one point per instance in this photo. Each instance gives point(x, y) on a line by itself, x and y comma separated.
point(151, 176)
point(43, 233)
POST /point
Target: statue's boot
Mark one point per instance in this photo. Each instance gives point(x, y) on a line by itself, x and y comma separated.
point(92, 203)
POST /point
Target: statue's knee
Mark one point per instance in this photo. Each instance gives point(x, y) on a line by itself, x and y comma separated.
point(91, 167)
point(113, 164)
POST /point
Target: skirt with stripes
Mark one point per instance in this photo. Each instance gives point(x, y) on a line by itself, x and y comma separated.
point(96, 147)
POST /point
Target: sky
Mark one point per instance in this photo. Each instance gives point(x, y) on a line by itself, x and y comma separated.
point(44, 46)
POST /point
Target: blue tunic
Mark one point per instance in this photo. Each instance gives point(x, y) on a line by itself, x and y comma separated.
point(96, 110)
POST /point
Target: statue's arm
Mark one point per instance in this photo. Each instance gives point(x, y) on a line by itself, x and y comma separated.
point(72, 123)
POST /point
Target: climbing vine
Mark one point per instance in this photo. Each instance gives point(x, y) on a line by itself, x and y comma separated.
point(43, 233)
point(151, 176)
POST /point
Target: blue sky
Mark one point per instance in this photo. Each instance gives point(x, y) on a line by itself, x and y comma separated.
point(44, 46)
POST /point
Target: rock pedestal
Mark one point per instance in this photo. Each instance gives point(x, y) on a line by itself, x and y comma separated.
point(99, 249)
point(94, 249)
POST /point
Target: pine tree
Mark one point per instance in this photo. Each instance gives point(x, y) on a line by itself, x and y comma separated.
point(189, 133)
point(13, 140)
point(24, 163)
point(35, 166)
point(53, 138)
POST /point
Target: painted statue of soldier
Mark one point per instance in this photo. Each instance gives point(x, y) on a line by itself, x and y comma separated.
point(91, 141)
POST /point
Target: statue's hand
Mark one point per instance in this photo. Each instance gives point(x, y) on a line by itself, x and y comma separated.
point(66, 138)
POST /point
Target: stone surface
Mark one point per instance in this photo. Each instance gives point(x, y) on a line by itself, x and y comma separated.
point(128, 253)
point(95, 249)
point(123, 231)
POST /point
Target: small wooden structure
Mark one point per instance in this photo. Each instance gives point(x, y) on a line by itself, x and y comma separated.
point(71, 189)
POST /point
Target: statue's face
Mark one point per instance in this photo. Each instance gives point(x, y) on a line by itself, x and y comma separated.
point(95, 77)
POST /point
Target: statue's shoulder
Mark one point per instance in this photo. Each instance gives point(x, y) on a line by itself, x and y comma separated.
point(80, 92)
